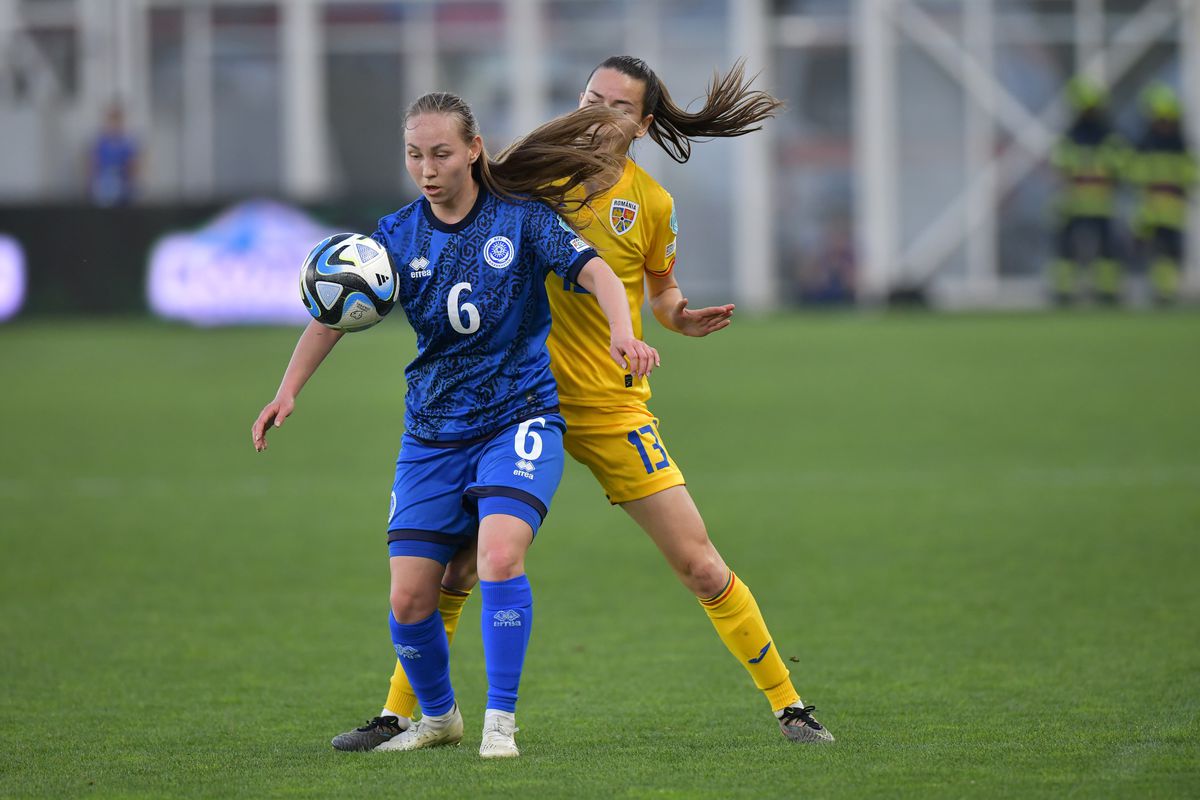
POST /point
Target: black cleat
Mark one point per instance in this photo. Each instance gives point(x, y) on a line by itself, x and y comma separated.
point(369, 736)
point(797, 724)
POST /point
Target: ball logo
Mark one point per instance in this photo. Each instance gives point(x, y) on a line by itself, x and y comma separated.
point(498, 252)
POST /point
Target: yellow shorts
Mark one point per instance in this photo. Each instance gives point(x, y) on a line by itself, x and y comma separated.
point(622, 448)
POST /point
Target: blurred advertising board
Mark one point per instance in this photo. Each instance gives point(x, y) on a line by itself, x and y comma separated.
point(12, 277)
point(197, 263)
point(242, 268)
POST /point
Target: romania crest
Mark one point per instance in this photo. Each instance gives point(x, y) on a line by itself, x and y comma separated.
point(622, 214)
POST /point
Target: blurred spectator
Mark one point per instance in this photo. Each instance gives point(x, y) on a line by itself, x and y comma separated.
point(113, 161)
point(1089, 157)
point(828, 278)
point(1163, 171)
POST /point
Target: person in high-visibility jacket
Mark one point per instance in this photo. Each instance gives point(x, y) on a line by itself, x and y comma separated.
point(1090, 158)
point(1164, 171)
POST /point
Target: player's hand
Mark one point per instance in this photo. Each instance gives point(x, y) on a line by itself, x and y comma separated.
point(275, 412)
point(701, 321)
point(634, 354)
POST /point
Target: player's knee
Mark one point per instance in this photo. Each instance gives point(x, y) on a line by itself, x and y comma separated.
point(705, 574)
point(500, 561)
point(408, 606)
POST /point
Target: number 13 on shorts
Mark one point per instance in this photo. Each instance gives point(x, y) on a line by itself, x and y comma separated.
point(653, 455)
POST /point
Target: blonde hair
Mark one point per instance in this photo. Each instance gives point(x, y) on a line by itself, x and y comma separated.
point(549, 162)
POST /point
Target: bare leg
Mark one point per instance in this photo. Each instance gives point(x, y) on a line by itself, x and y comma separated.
point(672, 521)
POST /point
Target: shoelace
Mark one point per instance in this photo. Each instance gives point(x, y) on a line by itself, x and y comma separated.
point(803, 714)
point(381, 722)
point(497, 727)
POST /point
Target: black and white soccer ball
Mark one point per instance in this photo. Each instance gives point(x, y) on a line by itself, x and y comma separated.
point(347, 282)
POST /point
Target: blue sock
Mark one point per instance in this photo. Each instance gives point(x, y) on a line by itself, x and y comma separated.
point(425, 654)
point(506, 620)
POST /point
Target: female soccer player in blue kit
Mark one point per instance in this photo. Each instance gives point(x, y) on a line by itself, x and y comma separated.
point(610, 429)
point(482, 452)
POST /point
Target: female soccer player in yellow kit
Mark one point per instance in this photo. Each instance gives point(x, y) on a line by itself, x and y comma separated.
point(609, 427)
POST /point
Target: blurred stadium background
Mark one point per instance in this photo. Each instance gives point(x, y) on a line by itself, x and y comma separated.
point(910, 163)
point(974, 535)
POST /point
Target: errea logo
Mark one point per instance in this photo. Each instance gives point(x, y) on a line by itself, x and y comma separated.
point(420, 267)
point(405, 651)
point(506, 618)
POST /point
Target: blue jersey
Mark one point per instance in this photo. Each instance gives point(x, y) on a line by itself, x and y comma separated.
point(475, 294)
point(113, 155)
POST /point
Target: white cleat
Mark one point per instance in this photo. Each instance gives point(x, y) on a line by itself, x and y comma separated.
point(428, 732)
point(498, 730)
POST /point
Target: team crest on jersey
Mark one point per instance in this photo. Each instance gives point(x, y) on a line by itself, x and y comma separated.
point(622, 214)
point(498, 252)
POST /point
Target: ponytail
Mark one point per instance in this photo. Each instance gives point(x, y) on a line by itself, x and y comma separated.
point(731, 107)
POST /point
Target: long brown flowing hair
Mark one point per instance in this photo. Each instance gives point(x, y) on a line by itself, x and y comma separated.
point(731, 107)
point(550, 162)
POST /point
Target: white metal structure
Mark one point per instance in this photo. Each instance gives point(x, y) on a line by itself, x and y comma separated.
point(906, 233)
point(970, 218)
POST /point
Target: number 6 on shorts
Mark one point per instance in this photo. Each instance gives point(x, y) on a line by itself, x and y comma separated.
point(525, 435)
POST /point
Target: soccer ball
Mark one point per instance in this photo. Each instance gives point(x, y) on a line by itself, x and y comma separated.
point(347, 282)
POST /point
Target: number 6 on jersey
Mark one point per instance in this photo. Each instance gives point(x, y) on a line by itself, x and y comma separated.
point(456, 312)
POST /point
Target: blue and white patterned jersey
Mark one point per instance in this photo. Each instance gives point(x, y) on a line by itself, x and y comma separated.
point(475, 294)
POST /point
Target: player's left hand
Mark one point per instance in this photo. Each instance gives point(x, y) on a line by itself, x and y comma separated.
point(635, 355)
point(700, 321)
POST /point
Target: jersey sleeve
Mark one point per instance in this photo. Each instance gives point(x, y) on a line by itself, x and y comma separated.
point(556, 243)
point(660, 261)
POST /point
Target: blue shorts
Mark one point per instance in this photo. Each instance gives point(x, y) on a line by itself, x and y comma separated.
point(440, 493)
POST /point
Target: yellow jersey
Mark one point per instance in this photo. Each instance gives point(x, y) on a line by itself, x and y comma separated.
point(633, 227)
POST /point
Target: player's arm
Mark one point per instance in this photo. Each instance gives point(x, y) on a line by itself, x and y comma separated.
point(670, 308)
point(598, 278)
point(315, 343)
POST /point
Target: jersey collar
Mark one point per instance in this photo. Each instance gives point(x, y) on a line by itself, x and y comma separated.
point(463, 223)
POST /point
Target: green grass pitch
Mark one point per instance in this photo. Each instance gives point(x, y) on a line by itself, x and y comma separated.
point(976, 537)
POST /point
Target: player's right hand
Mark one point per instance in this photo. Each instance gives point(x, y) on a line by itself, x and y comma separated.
point(635, 355)
point(275, 412)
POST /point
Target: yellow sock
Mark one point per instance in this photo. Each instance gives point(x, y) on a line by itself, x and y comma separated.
point(400, 698)
point(740, 625)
